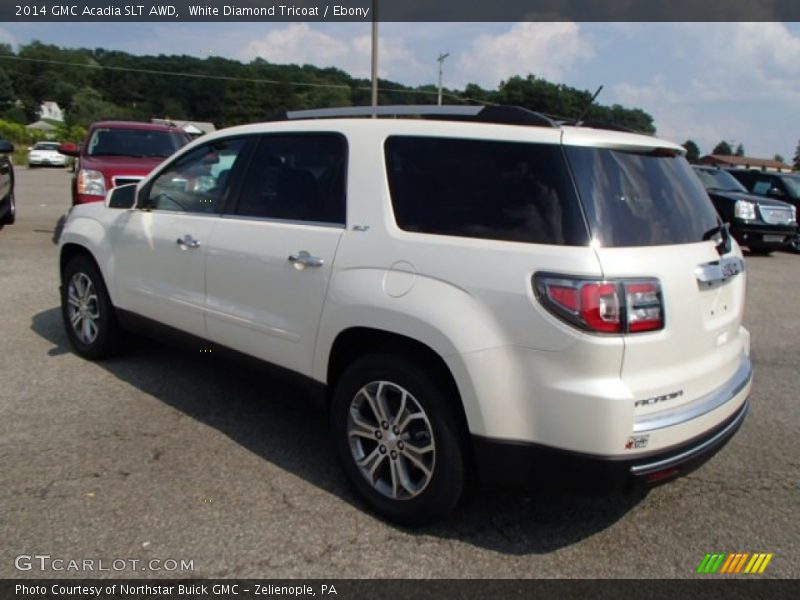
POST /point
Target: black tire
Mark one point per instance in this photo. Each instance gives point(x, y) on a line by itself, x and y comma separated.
point(107, 333)
point(11, 216)
point(448, 467)
point(794, 245)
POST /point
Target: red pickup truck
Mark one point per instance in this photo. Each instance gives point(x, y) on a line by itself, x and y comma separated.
point(119, 152)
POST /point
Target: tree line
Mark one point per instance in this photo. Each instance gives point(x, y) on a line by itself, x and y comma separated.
point(724, 148)
point(90, 84)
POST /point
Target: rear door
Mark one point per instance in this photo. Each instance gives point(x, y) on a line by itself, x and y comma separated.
point(650, 217)
point(270, 259)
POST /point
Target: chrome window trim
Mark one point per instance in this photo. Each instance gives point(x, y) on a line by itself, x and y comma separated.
point(283, 221)
point(699, 407)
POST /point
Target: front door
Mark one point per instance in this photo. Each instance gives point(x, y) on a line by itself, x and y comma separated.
point(161, 247)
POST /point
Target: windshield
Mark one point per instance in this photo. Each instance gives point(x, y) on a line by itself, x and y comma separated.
point(634, 199)
point(792, 184)
point(134, 142)
point(719, 180)
point(45, 146)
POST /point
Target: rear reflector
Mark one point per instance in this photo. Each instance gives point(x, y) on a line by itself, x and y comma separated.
point(602, 306)
point(662, 475)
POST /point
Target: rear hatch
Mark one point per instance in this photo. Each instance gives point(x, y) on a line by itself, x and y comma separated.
point(650, 217)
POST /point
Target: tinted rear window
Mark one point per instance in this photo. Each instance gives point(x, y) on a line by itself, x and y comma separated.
point(484, 189)
point(45, 146)
point(634, 199)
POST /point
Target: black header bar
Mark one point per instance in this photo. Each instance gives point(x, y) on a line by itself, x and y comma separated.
point(398, 10)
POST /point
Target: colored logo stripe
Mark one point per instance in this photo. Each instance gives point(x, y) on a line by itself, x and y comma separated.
point(720, 562)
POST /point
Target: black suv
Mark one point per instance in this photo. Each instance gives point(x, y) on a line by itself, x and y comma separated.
point(779, 186)
point(7, 207)
point(760, 223)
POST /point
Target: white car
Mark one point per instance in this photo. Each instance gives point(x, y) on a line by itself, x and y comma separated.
point(43, 154)
point(479, 290)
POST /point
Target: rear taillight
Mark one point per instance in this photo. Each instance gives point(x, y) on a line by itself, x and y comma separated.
point(643, 302)
point(602, 306)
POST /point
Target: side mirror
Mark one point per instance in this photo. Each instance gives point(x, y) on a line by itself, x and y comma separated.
point(775, 192)
point(123, 196)
point(69, 149)
point(6, 147)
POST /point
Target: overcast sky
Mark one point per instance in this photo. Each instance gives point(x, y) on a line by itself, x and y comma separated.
point(705, 81)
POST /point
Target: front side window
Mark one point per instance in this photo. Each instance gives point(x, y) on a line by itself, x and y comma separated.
point(496, 190)
point(296, 178)
point(762, 187)
point(199, 180)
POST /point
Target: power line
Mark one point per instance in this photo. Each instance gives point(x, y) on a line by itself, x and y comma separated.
point(308, 84)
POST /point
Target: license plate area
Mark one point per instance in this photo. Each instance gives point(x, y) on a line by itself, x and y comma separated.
point(774, 238)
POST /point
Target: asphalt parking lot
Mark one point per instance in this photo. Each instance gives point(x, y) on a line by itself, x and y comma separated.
point(167, 455)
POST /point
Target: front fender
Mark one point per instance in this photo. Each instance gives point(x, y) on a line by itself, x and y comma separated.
point(90, 234)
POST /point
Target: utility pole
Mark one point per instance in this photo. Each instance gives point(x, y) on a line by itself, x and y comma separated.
point(374, 53)
point(441, 62)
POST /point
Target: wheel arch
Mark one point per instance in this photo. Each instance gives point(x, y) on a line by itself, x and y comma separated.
point(355, 342)
point(69, 251)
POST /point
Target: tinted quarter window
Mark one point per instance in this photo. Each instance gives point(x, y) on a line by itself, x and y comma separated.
point(197, 181)
point(641, 199)
point(296, 178)
point(510, 191)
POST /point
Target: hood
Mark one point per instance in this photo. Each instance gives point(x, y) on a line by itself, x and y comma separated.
point(761, 200)
point(121, 165)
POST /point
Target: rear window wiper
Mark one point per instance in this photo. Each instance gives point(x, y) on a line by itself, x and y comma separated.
point(724, 245)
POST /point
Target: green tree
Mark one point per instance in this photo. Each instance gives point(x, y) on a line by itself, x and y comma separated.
point(779, 158)
point(7, 95)
point(88, 105)
point(692, 151)
point(739, 150)
point(723, 149)
point(15, 114)
point(796, 159)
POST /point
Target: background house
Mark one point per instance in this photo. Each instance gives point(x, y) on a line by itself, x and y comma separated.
point(746, 162)
point(193, 128)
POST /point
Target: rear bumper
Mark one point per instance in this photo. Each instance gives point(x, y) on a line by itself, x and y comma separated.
point(524, 464)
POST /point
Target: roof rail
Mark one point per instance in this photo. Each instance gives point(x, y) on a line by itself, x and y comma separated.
point(507, 115)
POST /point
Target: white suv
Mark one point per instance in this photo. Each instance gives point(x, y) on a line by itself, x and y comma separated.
point(477, 288)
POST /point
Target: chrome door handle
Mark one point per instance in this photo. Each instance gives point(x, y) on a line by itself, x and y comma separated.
point(187, 241)
point(304, 259)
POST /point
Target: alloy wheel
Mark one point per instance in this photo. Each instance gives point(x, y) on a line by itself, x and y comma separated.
point(84, 310)
point(391, 440)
